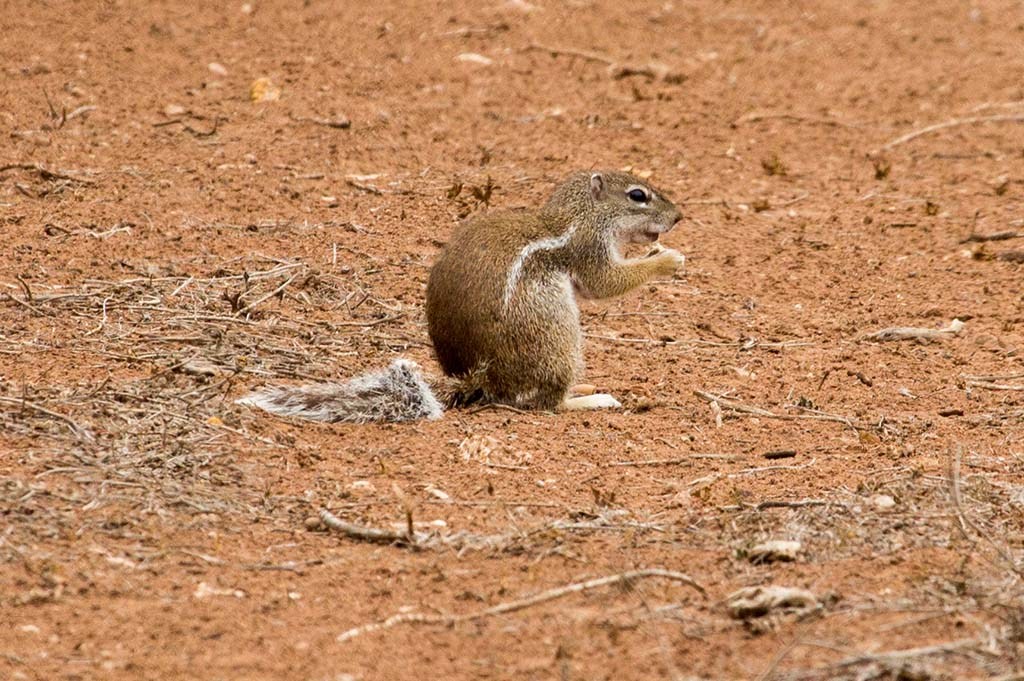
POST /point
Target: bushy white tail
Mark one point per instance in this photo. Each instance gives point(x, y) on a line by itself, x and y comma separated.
point(398, 393)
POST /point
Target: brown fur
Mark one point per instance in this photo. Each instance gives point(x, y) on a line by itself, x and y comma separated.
point(520, 344)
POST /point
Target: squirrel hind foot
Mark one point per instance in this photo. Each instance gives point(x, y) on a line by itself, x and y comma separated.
point(590, 402)
point(395, 394)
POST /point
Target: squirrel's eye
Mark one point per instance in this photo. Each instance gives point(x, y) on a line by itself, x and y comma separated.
point(638, 196)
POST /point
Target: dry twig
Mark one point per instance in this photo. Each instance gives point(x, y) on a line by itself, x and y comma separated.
point(616, 69)
point(338, 122)
point(995, 236)
point(672, 462)
point(44, 172)
point(895, 657)
point(952, 123)
point(744, 344)
point(966, 525)
point(364, 533)
point(898, 333)
point(726, 403)
point(521, 604)
point(755, 116)
point(78, 430)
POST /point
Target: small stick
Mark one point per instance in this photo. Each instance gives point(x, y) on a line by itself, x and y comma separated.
point(188, 128)
point(814, 415)
point(672, 462)
point(568, 52)
point(495, 502)
point(748, 344)
point(736, 406)
point(364, 533)
point(44, 172)
point(996, 236)
point(75, 428)
point(368, 188)
point(774, 664)
point(375, 322)
point(967, 525)
point(273, 293)
point(341, 122)
point(26, 288)
point(201, 133)
point(992, 377)
point(19, 301)
point(898, 333)
point(791, 504)
point(914, 134)
point(994, 386)
point(80, 111)
point(615, 69)
point(764, 469)
point(903, 655)
point(755, 116)
point(496, 406)
point(521, 604)
point(954, 484)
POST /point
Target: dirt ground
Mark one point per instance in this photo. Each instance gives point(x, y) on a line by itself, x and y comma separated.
point(168, 244)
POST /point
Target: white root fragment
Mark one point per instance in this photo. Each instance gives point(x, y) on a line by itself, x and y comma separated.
point(716, 409)
point(757, 601)
point(776, 550)
point(989, 382)
point(898, 333)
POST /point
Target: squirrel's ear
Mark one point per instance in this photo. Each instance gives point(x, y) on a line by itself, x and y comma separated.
point(597, 185)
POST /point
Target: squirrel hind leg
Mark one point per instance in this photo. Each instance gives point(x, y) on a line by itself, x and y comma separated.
point(463, 390)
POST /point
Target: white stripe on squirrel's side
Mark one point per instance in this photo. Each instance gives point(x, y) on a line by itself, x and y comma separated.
point(546, 244)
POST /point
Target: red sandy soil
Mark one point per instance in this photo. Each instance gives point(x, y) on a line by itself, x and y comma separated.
point(152, 529)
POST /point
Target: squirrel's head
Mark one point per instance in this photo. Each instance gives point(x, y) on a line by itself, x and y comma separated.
point(630, 207)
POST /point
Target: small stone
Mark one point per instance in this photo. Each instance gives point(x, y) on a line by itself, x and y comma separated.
point(217, 69)
point(883, 502)
point(758, 601)
point(313, 523)
point(264, 90)
point(474, 58)
point(174, 110)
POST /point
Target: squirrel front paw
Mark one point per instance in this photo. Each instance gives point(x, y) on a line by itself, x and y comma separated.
point(669, 260)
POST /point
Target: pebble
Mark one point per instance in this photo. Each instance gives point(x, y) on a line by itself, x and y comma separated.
point(883, 502)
